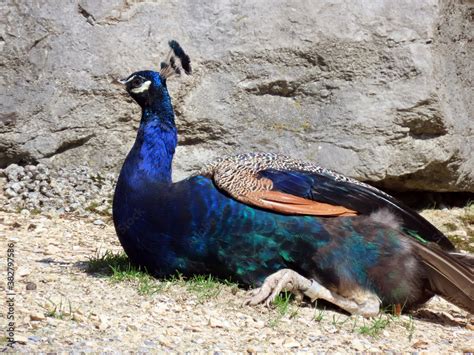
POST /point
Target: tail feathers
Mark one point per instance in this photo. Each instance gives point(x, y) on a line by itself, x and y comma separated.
point(449, 276)
point(468, 259)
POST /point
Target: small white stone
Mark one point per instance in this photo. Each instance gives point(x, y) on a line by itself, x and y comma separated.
point(21, 339)
point(23, 271)
point(10, 193)
point(37, 316)
point(291, 343)
point(356, 344)
point(218, 323)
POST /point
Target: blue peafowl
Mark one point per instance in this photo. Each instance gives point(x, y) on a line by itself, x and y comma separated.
point(270, 221)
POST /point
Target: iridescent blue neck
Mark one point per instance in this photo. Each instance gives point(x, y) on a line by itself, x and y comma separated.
point(152, 154)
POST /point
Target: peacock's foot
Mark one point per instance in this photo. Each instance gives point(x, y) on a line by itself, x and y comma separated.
point(283, 280)
point(361, 302)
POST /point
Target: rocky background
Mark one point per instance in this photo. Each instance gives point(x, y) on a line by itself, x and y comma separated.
point(379, 90)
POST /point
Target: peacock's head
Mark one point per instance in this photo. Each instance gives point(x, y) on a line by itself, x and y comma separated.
point(147, 85)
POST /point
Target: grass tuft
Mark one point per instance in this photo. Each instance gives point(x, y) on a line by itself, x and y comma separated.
point(376, 325)
point(204, 286)
point(117, 266)
point(145, 283)
point(318, 314)
point(59, 310)
point(283, 304)
point(410, 327)
point(104, 263)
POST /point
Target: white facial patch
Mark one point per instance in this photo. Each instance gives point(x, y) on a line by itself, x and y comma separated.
point(143, 87)
point(123, 81)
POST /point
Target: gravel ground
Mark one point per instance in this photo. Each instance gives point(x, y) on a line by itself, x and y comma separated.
point(60, 305)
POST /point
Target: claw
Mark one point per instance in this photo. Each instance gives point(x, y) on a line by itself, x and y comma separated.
point(361, 302)
point(283, 280)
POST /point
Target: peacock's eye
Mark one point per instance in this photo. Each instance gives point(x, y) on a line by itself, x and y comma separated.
point(136, 82)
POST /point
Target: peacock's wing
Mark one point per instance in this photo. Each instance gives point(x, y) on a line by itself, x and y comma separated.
point(289, 186)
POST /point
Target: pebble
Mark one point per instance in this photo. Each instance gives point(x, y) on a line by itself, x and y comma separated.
point(23, 271)
point(10, 193)
point(21, 339)
point(291, 344)
point(101, 324)
point(218, 323)
point(149, 342)
point(420, 344)
point(252, 350)
point(16, 187)
point(259, 324)
point(37, 316)
point(357, 345)
point(78, 317)
point(30, 286)
point(166, 342)
point(34, 338)
point(99, 222)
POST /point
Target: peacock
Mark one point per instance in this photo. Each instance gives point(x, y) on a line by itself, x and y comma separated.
point(274, 223)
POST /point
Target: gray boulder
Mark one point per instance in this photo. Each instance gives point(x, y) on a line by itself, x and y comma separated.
point(378, 90)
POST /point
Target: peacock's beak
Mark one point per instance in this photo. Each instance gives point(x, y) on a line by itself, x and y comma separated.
point(119, 81)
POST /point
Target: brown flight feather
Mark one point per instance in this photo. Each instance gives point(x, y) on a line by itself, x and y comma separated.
point(290, 204)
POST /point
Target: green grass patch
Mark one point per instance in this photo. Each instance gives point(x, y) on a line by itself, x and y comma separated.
point(462, 243)
point(59, 310)
point(144, 282)
point(371, 327)
point(205, 287)
point(339, 320)
point(284, 306)
point(318, 313)
point(104, 263)
point(410, 327)
point(450, 227)
point(468, 218)
point(118, 268)
point(282, 303)
point(375, 326)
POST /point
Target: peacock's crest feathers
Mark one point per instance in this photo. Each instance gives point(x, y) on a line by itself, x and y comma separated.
point(176, 62)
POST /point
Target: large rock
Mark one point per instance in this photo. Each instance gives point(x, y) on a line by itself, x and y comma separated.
point(378, 90)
